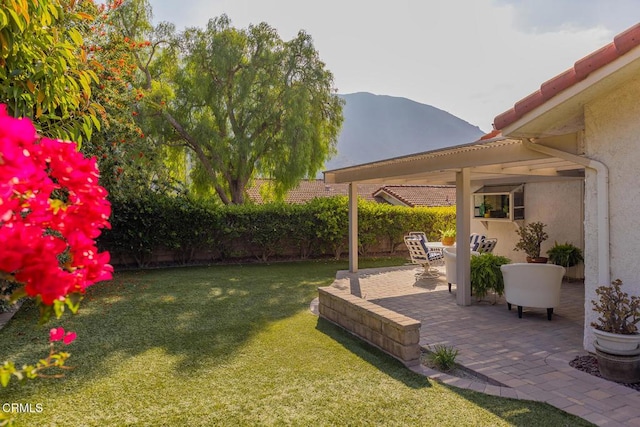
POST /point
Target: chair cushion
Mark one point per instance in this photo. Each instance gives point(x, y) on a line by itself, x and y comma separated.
point(433, 255)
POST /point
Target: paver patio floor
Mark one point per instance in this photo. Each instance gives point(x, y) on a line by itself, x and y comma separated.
point(529, 356)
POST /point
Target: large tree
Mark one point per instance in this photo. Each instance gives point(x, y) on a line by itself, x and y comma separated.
point(244, 102)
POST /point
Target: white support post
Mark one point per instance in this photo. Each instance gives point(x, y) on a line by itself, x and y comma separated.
point(353, 227)
point(463, 231)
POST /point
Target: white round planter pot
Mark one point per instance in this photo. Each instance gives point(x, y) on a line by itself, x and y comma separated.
point(617, 343)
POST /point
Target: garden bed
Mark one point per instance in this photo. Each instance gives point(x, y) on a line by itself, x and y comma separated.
point(589, 364)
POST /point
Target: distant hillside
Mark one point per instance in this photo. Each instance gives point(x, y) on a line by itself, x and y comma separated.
point(379, 127)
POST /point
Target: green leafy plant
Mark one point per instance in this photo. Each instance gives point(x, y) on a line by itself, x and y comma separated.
point(566, 254)
point(486, 275)
point(531, 237)
point(618, 312)
point(55, 360)
point(449, 232)
point(448, 236)
point(147, 226)
point(486, 206)
point(443, 357)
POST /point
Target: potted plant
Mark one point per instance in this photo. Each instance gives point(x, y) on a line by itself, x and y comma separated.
point(616, 327)
point(448, 236)
point(566, 254)
point(617, 340)
point(485, 209)
point(531, 237)
point(486, 275)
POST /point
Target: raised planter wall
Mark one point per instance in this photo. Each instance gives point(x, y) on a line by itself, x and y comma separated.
point(393, 333)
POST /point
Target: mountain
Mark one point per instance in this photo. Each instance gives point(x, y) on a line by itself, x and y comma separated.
point(379, 127)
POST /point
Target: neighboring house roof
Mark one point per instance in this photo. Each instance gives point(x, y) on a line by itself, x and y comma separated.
point(312, 188)
point(621, 44)
point(419, 195)
point(411, 195)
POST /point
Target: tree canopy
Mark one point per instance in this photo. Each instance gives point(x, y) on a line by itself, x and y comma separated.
point(129, 160)
point(44, 72)
point(244, 102)
point(227, 104)
point(66, 66)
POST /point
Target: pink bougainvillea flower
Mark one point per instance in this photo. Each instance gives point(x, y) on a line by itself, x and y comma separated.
point(69, 338)
point(56, 334)
point(51, 208)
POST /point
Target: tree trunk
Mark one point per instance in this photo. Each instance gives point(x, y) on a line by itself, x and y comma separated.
point(236, 188)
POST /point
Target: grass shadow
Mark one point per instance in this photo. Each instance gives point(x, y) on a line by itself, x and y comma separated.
point(246, 351)
point(203, 315)
point(525, 413)
point(372, 355)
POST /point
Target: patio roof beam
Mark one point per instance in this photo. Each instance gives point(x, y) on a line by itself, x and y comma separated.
point(516, 170)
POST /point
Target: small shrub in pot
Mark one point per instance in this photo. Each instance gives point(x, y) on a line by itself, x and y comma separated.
point(531, 237)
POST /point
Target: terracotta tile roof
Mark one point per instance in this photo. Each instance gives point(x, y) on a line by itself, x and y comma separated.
point(411, 195)
point(421, 195)
point(622, 43)
point(312, 188)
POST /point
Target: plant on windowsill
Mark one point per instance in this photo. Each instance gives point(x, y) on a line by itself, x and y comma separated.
point(485, 209)
point(531, 237)
point(617, 339)
point(448, 236)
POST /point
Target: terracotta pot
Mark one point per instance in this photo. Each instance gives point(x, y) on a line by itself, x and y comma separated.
point(448, 241)
point(537, 260)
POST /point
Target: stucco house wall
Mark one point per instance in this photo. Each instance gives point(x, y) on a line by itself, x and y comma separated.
point(612, 136)
point(559, 204)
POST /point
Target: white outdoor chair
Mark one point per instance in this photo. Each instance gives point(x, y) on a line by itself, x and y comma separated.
point(487, 245)
point(419, 234)
point(475, 239)
point(532, 285)
point(420, 254)
point(425, 242)
point(450, 265)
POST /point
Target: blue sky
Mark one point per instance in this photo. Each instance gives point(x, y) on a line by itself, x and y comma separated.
point(472, 58)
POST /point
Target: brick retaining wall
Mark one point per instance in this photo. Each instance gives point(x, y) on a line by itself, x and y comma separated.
point(394, 333)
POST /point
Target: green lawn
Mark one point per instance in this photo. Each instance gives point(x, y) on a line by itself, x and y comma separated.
point(233, 345)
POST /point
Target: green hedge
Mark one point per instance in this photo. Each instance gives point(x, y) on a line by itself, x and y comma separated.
point(186, 229)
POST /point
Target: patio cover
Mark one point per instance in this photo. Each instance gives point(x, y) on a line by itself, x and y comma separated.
point(551, 121)
point(486, 161)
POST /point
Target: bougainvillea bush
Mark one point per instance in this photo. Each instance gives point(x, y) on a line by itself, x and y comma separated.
point(51, 211)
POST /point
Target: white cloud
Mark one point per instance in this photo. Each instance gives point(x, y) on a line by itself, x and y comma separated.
point(557, 15)
point(473, 58)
